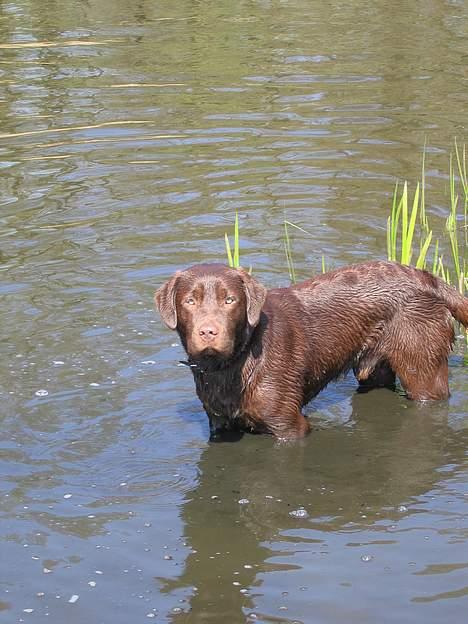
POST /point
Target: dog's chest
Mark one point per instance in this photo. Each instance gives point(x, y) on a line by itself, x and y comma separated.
point(221, 393)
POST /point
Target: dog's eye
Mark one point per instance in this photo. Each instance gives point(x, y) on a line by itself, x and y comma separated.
point(190, 301)
point(229, 299)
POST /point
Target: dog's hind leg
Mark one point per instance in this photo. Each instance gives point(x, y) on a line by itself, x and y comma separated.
point(418, 347)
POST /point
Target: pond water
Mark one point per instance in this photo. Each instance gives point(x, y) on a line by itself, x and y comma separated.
point(131, 132)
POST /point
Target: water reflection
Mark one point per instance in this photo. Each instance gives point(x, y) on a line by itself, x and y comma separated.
point(356, 481)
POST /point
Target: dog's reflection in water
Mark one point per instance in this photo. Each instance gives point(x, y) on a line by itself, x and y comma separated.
point(382, 459)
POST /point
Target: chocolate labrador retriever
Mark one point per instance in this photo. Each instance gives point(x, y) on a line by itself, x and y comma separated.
point(258, 356)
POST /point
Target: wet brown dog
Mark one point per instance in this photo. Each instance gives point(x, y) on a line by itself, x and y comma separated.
point(258, 356)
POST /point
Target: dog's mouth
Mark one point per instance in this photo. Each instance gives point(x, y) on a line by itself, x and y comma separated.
point(209, 357)
point(210, 353)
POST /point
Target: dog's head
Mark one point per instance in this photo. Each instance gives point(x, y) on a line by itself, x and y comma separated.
point(214, 309)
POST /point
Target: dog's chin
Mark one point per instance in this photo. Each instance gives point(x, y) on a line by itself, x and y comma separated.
point(210, 357)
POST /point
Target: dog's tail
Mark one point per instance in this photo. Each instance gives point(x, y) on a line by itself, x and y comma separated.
point(455, 302)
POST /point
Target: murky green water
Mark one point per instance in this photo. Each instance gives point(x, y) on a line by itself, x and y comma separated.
point(130, 134)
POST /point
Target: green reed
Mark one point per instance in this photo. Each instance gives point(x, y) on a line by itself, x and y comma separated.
point(288, 248)
point(288, 253)
point(233, 254)
point(401, 227)
point(407, 234)
point(454, 225)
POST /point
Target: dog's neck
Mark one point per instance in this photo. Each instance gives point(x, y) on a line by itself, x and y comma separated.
point(221, 388)
point(222, 383)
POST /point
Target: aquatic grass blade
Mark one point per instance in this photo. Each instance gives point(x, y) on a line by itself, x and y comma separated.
point(396, 226)
point(288, 248)
point(404, 220)
point(392, 225)
point(298, 227)
point(389, 238)
point(436, 257)
point(407, 237)
point(423, 216)
point(421, 261)
point(233, 254)
point(228, 250)
point(461, 166)
point(288, 252)
point(440, 269)
point(236, 258)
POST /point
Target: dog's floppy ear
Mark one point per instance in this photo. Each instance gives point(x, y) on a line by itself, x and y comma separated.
point(256, 295)
point(164, 299)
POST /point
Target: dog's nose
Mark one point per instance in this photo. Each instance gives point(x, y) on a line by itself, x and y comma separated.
point(208, 332)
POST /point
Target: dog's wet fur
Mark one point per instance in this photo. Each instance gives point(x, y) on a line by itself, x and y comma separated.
point(259, 355)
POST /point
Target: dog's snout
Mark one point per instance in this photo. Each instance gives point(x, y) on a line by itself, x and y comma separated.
point(208, 331)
